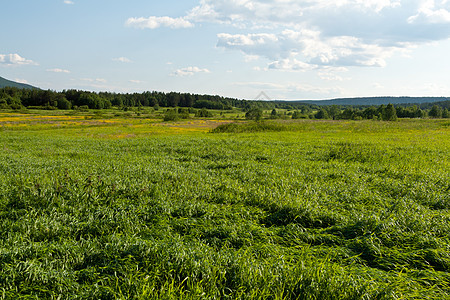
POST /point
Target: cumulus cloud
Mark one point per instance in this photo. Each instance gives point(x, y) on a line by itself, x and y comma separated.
point(122, 59)
point(189, 71)
point(432, 12)
point(252, 45)
point(315, 34)
point(14, 60)
point(271, 13)
point(136, 81)
point(290, 64)
point(156, 22)
point(58, 70)
point(68, 2)
point(306, 50)
point(306, 34)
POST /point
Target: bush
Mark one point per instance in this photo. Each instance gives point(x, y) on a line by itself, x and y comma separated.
point(203, 113)
point(183, 113)
point(298, 115)
point(82, 108)
point(254, 114)
point(171, 115)
point(250, 127)
point(445, 114)
point(4, 105)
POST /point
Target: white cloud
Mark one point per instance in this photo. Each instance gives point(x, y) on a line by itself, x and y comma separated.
point(21, 81)
point(14, 60)
point(330, 73)
point(98, 80)
point(136, 81)
point(432, 12)
point(189, 71)
point(290, 64)
point(58, 70)
point(122, 59)
point(156, 22)
point(249, 40)
point(315, 34)
point(271, 13)
point(252, 45)
point(68, 2)
point(306, 50)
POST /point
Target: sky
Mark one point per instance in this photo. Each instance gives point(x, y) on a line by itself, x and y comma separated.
point(288, 49)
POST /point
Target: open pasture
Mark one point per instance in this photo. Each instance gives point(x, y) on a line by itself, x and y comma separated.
point(109, 125)
point(135, 208)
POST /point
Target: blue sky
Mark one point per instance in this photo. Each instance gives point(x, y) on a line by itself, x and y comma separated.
point(312, 49)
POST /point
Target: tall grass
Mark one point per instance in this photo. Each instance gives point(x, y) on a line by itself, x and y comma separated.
point(321, 210)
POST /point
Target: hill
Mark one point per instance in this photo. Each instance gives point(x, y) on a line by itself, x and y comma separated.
point(8, 83)
point(375, 101)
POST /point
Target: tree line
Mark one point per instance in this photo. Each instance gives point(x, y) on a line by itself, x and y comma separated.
point(382, 112)
point(15, 98)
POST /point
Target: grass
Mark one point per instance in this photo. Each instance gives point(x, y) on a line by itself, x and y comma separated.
point(317, 210)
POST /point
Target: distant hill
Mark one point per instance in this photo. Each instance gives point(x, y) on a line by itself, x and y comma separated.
point(8, 83)
point(374, 101)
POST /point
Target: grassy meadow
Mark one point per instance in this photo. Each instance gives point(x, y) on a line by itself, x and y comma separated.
point(105, 206)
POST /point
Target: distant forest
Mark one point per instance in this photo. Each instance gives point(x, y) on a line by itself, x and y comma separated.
point(364, 101)
point(15, 98)
point(69, 99)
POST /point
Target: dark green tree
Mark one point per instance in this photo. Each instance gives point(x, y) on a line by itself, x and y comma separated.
point(297, 115)
point(273, 114)
point(445, 113)
point(334, 111)
point(370, 113)
point(348, 114)
point(389, 113)
point(435, 112)
point(254, 114)
point(203, 113)
point(321, 114)
point(62, 102)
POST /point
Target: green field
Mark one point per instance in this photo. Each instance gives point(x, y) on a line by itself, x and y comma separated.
point(135, 208)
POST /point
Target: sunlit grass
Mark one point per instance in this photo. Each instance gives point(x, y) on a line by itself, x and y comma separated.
point(109, 128)
point(140, 208)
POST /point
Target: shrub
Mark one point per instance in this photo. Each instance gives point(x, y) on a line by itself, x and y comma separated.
point(254, 114)
point(249, 127)
point(171, 115)
point(203, 113)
